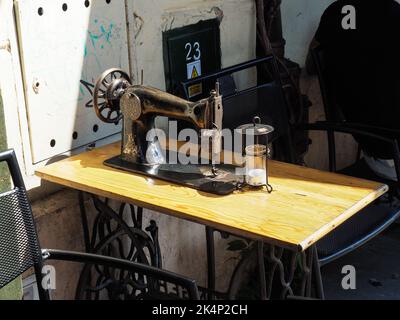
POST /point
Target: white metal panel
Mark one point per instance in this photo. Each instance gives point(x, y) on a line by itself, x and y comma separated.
point(65, 46)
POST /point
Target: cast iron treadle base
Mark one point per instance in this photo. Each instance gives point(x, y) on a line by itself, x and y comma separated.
point(112, 235)
point(198, 177)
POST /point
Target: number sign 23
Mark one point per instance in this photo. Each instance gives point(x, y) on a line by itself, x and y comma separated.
point(193, 51)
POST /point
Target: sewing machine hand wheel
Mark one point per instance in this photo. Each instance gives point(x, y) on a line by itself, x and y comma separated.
point(107, 93)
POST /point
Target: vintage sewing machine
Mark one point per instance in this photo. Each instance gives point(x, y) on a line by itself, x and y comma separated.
point(115, 98)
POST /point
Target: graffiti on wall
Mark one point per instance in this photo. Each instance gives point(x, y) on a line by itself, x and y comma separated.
point(100, 38)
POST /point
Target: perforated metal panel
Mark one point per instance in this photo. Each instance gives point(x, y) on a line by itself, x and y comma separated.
point(65, 46)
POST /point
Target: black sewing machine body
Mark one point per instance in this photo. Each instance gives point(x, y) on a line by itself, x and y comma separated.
point(141, 105)
point(138, 107)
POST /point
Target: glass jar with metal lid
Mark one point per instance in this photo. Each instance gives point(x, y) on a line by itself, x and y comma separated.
point(256, 137)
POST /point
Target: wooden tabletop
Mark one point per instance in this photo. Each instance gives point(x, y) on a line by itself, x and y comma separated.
point(305, 205)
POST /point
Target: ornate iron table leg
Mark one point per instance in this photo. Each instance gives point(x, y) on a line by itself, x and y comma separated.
point(280, 273)
point(317, 273)
point(210, 262)
point(211, 292)
point(85, 224)
point(261, 270)
point(118, 234)
point(295, 278)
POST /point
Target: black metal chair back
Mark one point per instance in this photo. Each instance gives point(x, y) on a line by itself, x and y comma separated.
point(265, 100)
point(225, 77)
point(20, 250)
point(19, 246)
point(375, 141)
point(334, 111)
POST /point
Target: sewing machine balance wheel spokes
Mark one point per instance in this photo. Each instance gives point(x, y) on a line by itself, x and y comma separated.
point(107, 93)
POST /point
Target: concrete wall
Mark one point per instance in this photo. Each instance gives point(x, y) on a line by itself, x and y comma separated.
point(151, 18)
point(300, 19)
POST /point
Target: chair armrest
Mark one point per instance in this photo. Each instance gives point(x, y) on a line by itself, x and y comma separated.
point(355, 129)
point(386, 132)
point(343, 127)
point(80, 257)
point(10, 158)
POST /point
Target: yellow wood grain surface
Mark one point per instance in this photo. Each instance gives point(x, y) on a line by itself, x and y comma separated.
point(305, 205)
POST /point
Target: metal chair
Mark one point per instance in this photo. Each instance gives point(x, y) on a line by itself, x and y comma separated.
point(336, 113)
point(20, 250)
point(378, 216)
point(266, 100)
point(370, 221)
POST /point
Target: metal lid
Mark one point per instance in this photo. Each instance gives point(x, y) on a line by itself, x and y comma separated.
point(256, 128)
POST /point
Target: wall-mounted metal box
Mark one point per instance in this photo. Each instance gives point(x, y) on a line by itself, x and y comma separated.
point(191, 51)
